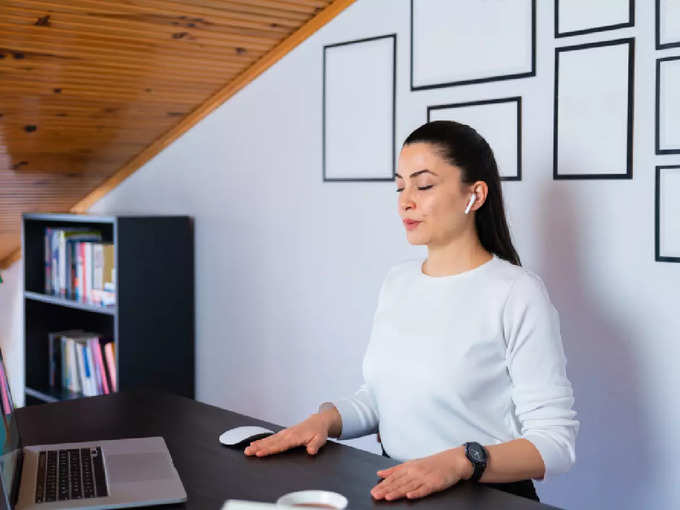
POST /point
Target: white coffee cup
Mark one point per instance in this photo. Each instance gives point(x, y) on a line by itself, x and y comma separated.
point(314, 499)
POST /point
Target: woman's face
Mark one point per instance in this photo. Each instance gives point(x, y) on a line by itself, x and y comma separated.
point(434, 196)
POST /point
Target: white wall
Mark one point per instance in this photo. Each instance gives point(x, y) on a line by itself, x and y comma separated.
point(288, 267)
point(11, 328)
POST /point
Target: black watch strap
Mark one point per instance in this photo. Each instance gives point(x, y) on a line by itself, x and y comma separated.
point(476, 454)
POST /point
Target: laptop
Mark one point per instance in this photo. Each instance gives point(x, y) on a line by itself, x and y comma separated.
point(94, 475)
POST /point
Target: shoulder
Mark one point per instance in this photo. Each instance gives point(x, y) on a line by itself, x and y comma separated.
point(524, 285)
point(398, 274)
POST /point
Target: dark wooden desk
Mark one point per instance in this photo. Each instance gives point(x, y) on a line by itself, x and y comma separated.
point(213, 473)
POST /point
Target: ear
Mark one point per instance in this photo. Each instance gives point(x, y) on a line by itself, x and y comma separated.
point(481, 190)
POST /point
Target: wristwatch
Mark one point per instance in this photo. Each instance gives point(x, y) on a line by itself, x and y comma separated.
point(476, 454)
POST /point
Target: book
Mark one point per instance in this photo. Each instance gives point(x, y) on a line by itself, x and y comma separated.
point(65, 236)
point(87, 365)
point(54, 246)
point(111, 364)
point(90, 387)
point(108, 267)
point(48, 260)
point(79, 271)
point(56, 358)
point(73, 367)
point(60, 266)
point(103, 297)
point(99, 365)
point(65, 383)
point(90, 369)
point(98, 266)
point(79, 265)
point(87, 272)
point(88, 376)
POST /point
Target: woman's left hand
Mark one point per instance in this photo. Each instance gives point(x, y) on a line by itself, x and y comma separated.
point(419, 477)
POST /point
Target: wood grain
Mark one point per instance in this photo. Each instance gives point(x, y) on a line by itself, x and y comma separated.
point(90, 90)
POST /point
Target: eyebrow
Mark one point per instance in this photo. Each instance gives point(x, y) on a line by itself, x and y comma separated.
point(417, 173)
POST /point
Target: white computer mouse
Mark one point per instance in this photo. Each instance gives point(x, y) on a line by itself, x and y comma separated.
point(239, 435)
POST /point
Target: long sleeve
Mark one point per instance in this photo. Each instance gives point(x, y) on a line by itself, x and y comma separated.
point(536, 363)
point(359, 413)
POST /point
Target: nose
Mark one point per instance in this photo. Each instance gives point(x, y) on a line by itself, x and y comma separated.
point(405, 201)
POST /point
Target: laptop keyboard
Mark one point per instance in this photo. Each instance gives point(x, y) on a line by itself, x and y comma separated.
point(70, 474)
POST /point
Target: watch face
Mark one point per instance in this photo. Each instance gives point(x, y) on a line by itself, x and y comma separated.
point(476, 452)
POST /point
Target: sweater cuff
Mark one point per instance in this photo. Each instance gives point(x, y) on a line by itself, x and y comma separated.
point(352, 423)
point(555, 460)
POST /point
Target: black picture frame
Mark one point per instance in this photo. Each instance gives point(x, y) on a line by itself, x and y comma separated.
point(657, 18)
point(657, 215)
point(393, 36)
point(629, 23)
point(515, 99)
point(630, 41)
point(657, 127)
point(528, 74)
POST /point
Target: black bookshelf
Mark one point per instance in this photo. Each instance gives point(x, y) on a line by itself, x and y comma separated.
point(152, 322)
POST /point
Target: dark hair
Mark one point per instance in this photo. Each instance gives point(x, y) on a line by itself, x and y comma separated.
point(462, 146)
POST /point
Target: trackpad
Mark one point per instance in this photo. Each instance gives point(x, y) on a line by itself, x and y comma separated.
point(138, 467)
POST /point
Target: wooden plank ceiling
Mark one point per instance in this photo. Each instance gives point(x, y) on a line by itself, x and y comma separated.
point(92, 89)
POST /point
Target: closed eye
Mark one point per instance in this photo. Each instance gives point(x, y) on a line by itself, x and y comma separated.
point(423, 188)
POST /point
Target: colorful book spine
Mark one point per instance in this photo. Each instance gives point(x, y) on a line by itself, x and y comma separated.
point(81, 367)
point(89, 371)
point(54, 244)
point(96, 347)
point(97, 266)
point(97, 375)
point(71, 264)
point(111, 364)
point(74, 376)
point(87, 262)
point(65, 383)
point(62, 265)
point(48, 261)
point(81, 265)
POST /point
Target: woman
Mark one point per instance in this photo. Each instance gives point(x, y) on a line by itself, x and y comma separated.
point(465, 369)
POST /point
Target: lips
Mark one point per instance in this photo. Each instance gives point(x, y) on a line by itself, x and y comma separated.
point(410, 222)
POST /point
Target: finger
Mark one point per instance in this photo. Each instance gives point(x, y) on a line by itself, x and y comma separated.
point(388, 484)
point(265, 441)
point(276, 447)
point(271, 445)
point(385, 472)
point(419, 492)
point(315, 444)
point(408, 485)
point(395, 478)
point(254, 446)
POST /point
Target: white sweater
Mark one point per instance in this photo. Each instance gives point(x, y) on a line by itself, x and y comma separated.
point(475, 356)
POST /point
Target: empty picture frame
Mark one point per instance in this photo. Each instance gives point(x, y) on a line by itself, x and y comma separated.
point(450, 42)
point(574, 17)
point(498, 121)
point(667, 24)
point(593, 111)
point(359, 109)
point(667, 131)
point(667, 215)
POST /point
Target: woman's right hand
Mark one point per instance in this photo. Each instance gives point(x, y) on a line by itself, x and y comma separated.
point(312, 433)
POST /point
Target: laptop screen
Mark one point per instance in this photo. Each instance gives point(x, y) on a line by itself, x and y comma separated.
point(10, 441)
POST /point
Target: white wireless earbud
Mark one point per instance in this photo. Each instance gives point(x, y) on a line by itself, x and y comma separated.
point(472, 201)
